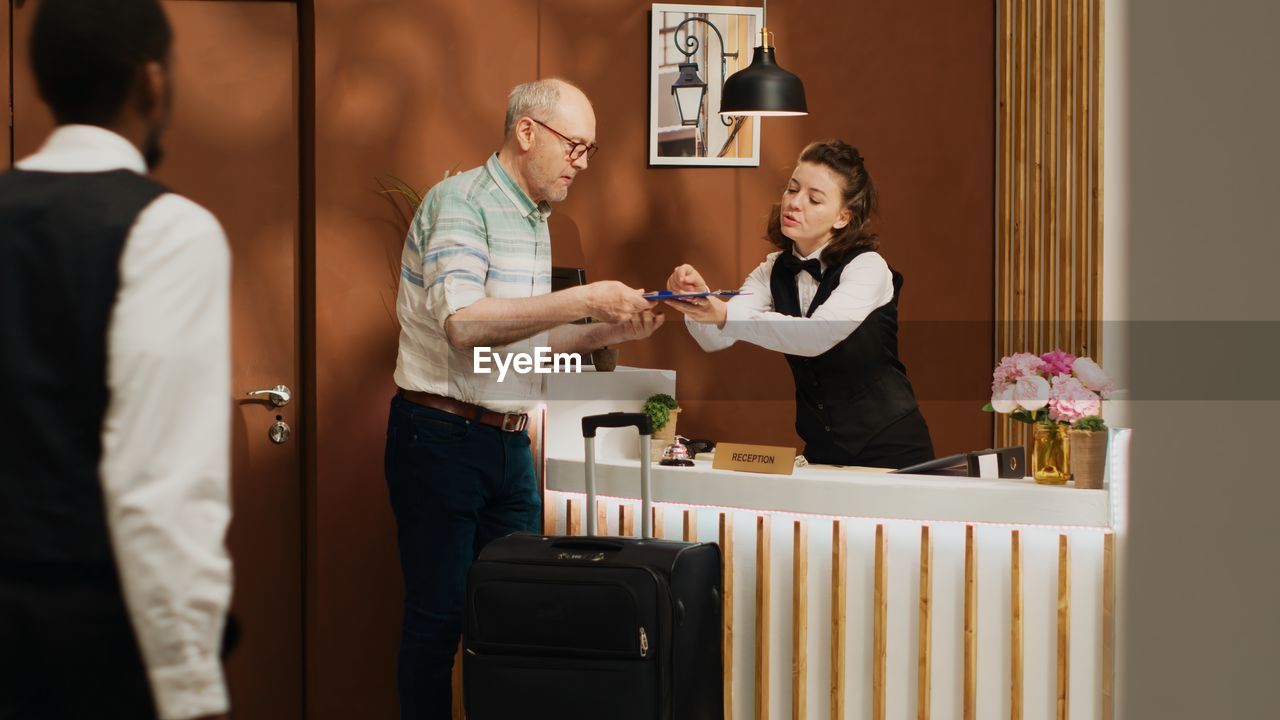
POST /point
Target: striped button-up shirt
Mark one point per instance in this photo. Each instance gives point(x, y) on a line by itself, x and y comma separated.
point(475, 235)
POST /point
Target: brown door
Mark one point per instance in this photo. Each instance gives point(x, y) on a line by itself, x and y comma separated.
point(6, 141)
point(233, 147)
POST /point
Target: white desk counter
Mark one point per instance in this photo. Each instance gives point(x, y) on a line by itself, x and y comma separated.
point(830, 491)
point(876, 589)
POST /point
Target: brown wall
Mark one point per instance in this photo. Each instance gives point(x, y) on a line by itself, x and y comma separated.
point(414, 88)
point(409, 89)
point(6, 145)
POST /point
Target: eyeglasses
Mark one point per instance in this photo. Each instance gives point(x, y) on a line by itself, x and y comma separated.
point(577, 149)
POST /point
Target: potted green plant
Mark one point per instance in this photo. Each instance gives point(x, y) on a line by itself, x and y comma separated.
point(662, 410)
point(1088, 438)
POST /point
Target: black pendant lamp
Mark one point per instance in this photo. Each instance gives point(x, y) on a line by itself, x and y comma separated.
point(763, 88)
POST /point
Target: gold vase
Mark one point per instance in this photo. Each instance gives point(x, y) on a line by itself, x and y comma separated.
point(1051, 454)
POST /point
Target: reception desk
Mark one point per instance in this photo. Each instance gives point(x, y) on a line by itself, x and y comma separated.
point(859, 594)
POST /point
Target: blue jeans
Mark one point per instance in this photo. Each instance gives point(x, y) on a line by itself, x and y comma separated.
point(455, 485)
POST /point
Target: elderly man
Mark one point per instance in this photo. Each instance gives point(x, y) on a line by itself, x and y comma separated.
point(476, 273)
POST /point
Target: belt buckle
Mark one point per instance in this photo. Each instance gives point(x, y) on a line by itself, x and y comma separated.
point(514, 422)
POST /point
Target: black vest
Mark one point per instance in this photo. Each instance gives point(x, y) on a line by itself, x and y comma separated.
point(61, 238)
point(850, 393)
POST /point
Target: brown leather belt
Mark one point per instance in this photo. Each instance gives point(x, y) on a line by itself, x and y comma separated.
point(507, 422)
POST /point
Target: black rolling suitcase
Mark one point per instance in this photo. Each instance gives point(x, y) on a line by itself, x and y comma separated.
point(595, 627)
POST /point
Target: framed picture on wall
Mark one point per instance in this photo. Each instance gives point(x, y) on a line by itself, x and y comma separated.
point(692, 49)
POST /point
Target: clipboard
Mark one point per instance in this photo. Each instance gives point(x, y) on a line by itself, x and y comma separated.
point(668, 295)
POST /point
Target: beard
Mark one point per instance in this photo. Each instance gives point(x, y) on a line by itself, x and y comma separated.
point(546, 180)
point(557, 194)
point(152, 148)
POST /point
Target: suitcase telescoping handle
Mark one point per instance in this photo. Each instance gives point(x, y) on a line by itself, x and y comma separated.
point(641, 422)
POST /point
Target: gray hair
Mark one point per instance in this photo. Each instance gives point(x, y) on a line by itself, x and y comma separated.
point(536, 99)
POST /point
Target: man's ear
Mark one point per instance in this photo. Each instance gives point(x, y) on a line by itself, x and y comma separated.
point(525, 128)
point(153, 85)
point(842, 219)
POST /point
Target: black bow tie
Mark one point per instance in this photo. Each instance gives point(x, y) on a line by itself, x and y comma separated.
point(792, 264)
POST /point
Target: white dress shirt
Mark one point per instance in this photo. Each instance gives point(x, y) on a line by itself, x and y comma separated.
point(866, 283)
point(166, 434)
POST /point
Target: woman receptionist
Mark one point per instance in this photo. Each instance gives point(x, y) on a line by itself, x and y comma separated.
point(829, 302)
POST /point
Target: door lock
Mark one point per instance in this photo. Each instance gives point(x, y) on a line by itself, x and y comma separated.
point(278, 432)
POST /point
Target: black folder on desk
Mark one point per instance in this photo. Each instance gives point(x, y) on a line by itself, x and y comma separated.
point(1011, 464)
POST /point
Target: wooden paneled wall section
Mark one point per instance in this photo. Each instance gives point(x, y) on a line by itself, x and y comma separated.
point(1048, 182)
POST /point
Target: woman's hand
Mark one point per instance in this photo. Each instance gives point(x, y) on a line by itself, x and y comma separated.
point(685, 279)
point(708, 310)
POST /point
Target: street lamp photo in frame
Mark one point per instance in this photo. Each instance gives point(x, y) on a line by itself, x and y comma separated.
point(693, 50)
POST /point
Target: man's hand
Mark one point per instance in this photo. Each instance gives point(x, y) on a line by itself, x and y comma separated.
point(611, 301)
point(708, 310)
point(639, 327)
point(685, 279)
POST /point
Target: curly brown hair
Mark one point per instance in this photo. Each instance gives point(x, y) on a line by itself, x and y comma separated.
point(858, 195)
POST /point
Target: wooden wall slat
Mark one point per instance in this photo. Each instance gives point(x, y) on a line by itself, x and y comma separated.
point(550, 512)
point(1064, 628)
point(1082, 143)
point(1086, 110)
point(573, 517)
point(602, 517)
point(1097, 33)
point(880, 626)
point(659, 522)
point(1066, 269)
point(1035, 246)
point(690, 525)
point(1015, 624)
point(1109, 627)
point(1052, 259)
point(726, 596)
point(1022, 308)
point(763, 606)
point(1071, 266)
point(839, 577)
point(970, 625)
point(799, 620)
point(924, 659)
point(626, 520)
point(1005, 144)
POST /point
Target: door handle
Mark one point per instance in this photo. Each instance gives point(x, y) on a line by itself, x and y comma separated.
point(278, 395)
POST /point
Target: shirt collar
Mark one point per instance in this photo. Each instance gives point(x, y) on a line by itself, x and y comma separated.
point(527, 207)
point(85, 148)
point(815, 255)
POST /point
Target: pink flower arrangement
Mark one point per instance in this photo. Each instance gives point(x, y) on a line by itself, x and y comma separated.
point(1057, 362)
point(1070, 400)
point(1092, 377)
point(1018, 365)
point(1056, 387)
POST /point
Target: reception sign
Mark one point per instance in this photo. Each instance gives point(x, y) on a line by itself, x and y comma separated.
point(755, 458)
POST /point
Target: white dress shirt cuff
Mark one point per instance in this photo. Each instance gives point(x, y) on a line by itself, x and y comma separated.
point(193, 690)
point(709, 337)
